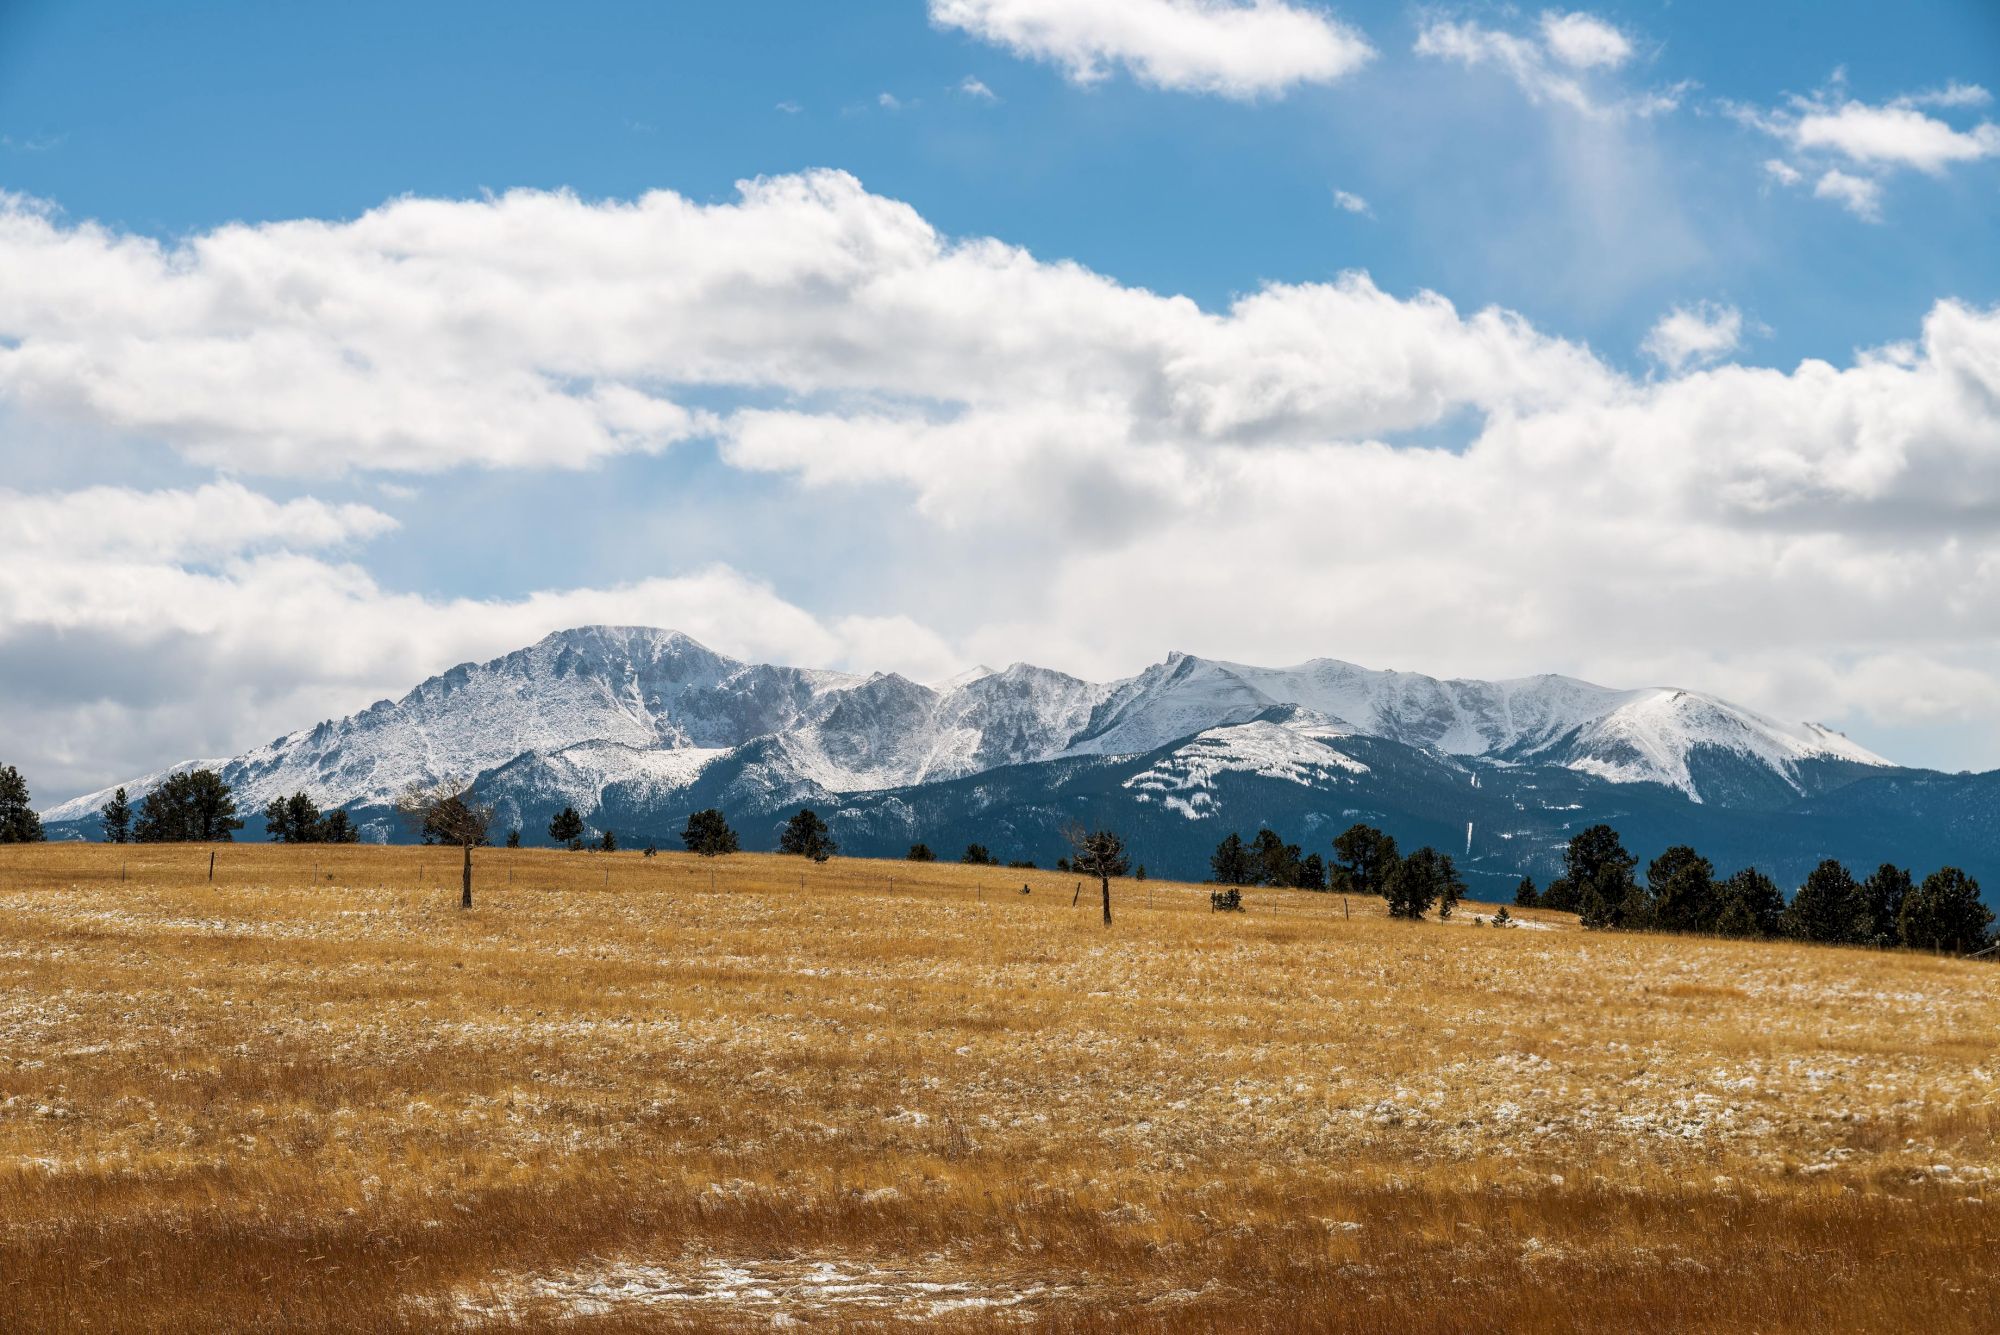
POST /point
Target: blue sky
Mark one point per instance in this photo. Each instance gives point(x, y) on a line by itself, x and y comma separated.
point(1800, 180)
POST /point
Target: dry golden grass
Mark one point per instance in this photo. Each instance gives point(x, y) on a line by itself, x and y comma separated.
point(317, 1096)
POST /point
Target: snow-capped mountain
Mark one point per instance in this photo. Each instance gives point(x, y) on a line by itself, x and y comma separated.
point(639, 722)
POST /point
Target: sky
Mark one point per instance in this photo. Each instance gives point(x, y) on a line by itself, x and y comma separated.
point(1654, 343)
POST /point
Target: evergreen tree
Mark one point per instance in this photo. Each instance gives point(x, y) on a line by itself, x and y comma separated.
point(1599, 873)
point(1418, 882)
point(1749, 904)
point(514, 838)
point(807, 836)
point(1884, 893)
point(336, 828)
point(608, 844)
point(920, 853)
point(567, 829)
point(1682, 884)
point(1366, 856)
point(117, 819)
point(18, 822)
point(708, 834)
point(192, 808)
point(975, 855)
point(1562, 896)
point(1312, 872)
point(1273, 861)
point(1525, 894)
point(292, 820)
point(1944, 913)
point(1828, 908)
point(1230, 864)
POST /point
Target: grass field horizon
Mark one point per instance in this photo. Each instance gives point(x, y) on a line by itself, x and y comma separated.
point(626, 1092)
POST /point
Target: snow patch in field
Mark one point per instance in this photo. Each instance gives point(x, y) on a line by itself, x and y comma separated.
point(780, 1290)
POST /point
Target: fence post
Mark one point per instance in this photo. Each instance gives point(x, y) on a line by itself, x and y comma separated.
point(211, 866)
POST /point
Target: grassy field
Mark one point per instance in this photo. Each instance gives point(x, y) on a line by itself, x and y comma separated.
point(628, 1093)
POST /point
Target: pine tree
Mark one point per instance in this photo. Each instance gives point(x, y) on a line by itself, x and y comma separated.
point(336, 828)
point(608, 843)
point(1682, 884)
point(192, 808)
point(1598, 871)
point(975, 855)
point(1272, 860)
point(117, 819)
point(708, 834)
point(1944, 913)
point(1312, 872)
point(18, 822)
point(1749, 904)
point(1366, 856)
point(567, 829)
point(292, 820)
point(1416, 883)
point(1230, 864)
point(807, 836)
point(1525, 894)
point(1884, 893)
point(514, 838)
point(920, 853)
point(1828, 908)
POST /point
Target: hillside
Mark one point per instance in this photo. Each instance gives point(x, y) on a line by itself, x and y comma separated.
point(636, 728)
point(623, 1093)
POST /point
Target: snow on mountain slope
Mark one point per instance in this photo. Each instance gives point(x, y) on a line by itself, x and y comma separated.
point(1297, 749)
point(91, 805)
point(1654, 735)
point(649, 711)
point(1170, 700)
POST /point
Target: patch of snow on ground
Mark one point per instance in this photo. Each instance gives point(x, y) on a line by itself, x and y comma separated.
point(782, 1290)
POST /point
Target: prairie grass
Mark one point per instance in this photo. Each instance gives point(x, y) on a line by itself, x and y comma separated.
point(631, 1093)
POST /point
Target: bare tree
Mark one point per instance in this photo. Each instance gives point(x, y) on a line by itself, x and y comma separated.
point(1098, 853)
point(442, 812)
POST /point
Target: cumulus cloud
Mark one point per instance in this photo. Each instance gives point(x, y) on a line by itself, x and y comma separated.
point(1352, 471)
point(1859, 195)
point(1852, 147)
point(218, 520)
point(1234, 48)
point(1584, 41)
point(1348, 202)
point(1694, 335)
point(1559, 64)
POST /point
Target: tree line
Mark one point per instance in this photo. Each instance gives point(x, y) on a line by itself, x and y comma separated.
point(1681, 893)
point(1599, 883)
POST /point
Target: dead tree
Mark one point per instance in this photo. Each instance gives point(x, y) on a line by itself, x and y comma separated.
point(442, 812)
point(1098, 853)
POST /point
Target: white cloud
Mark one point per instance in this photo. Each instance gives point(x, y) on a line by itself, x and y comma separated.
point(977, 89)
point(1584, 41)
point(1893, 136)
point(1234, 48)
point(218, 520)
point(1853, 147)
point(888, 102)
point(1784, 173)
point(1561, 67)
point(1105, 465)
point(1953, 94)
point(1859, 195)
point(1348, 202)
point(1694, 335)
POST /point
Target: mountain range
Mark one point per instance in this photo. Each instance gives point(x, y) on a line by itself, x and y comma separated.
point(637, 727)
